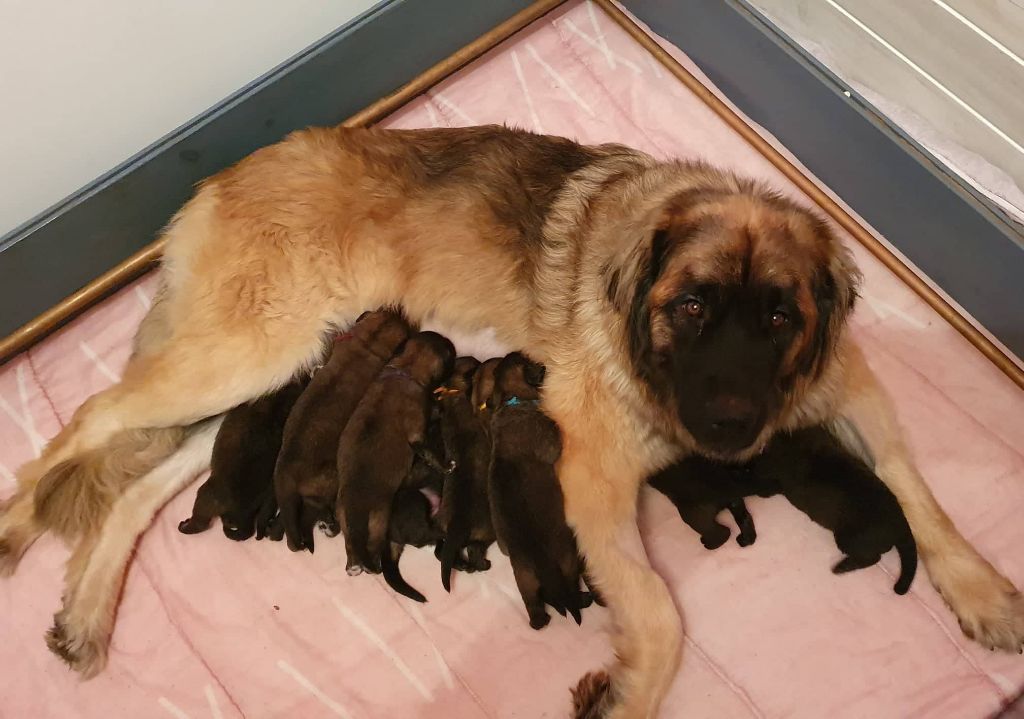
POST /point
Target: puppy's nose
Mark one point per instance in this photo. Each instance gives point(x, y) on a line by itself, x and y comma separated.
point(731, 414)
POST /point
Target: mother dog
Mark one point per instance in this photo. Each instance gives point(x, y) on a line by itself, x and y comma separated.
point(677, 308)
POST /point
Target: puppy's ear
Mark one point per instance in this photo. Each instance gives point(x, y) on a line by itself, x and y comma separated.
point(364, 316)
point(834, 289)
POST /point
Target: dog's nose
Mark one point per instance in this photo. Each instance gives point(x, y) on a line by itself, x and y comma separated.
point(730, 414)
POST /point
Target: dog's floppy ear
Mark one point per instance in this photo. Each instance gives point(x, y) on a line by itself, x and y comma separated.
point(834, 289)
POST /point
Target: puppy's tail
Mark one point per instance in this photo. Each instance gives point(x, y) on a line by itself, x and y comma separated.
point(907, 550)
point(74, 496)
point(389, 567)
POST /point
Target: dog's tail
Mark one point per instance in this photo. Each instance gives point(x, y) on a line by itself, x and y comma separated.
point(906, 548)
point(74, 496)
point(456, 505)
point(392, 575)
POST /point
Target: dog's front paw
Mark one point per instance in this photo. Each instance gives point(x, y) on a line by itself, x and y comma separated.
point(997, 625)
point(989, 608)
point(85, 653)
point(592, 697)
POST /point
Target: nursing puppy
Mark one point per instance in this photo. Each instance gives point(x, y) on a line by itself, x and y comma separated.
point(465, 507)
point(376, 450)
point(527, 505)
point(678, 308)
point(306, 477)
point(413, 522)
point(240, 489)
point(700, 488)
point(841, 493)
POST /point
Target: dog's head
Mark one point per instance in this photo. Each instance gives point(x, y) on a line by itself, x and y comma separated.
point(737, 299)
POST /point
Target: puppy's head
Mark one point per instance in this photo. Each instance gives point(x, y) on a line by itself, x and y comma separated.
point(737, 300)
point(483, 385)
point(517, 376)
point(462, 374)
point(428, 357)
point(383, 331)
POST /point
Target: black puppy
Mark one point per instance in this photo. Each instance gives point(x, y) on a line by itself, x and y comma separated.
point(465, 508)
point(837, 490)
point(527, 506)
point(240, 489)
point(306, 478)
point(376, 449)
point(701, 488)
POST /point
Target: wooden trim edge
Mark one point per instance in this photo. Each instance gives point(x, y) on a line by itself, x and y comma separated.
point(961, 324)
point(146, 258)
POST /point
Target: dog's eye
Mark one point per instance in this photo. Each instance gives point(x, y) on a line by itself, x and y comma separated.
point(693, 308)
point(778, 318)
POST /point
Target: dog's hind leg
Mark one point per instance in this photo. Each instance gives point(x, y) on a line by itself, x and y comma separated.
point(81, 631)
point(193, 376)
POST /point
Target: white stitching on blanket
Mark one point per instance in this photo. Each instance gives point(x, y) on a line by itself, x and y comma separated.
point(24, 420)
point(313, 689)
point(448, 104)
point(367, 631)
point(559, 80)
point(418, 618)
point(526, 94)
point(183, 635)
point(211, 699)
point(172, 708)
point(609, 96)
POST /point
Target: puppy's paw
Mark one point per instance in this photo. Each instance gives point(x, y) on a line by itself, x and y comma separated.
point(745, 539)
point(539, 620)
point(989, 609)
point(715, 539)
point(592, 697)
point(82, 652)
point(329, 528)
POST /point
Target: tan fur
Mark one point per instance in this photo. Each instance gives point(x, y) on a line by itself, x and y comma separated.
point(95, 572)
point(546, 242)
point(592, 697)
point(77, 493)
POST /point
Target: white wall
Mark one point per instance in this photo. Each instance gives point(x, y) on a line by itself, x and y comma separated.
point(84, 85)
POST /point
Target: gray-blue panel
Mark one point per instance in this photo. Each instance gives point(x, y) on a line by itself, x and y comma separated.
point(69, 245)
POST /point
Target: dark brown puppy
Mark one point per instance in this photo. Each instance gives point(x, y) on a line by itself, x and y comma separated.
point(240, 489)
point(413, 522)
point(700, 488)
point(527, 506)
point(465, 507)
point(376, 449)
point(837, 490)
point(306, 478)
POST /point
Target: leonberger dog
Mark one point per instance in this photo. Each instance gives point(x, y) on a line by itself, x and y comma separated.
point(678, 309)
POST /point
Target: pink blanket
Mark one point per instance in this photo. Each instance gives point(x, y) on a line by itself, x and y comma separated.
point(212, 628)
